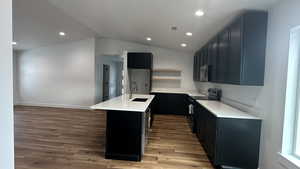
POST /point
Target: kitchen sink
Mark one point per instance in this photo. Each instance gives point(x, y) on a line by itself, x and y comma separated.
point(139, 99)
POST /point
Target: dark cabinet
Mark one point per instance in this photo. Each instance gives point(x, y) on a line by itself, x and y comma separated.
point(139, 60)
point(206, 130)
point(247, 49)
point(210, 135)
point(125, 126)
point(197, 62)
point(167, 103)
point(195, 68)
point(237, 54)
point(213, 56)
point(127, 134)
point(228, 141)
point(223, 56)
point(234, 74)
point(201, 58)
point(254, 31)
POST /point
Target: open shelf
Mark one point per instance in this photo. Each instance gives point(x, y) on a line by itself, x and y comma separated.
point(165, 78)
point(166, 70)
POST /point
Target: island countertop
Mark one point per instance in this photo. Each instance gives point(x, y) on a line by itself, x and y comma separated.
point(124, 103)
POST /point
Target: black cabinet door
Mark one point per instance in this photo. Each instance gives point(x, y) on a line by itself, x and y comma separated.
point(223, 57)
point(244, 136)
point(237, 54)
point(253, 47)
point(125, 126)
point(200, 58)
point(201, 122)
point(194, 68)
point(167, 103)
point(198, 65)
point(206, 54)
point(213, 55)
point(178, 104)
point(210, 138)
point(235, 49)
point(229, 141)
point(139, 60)
point(162, 103)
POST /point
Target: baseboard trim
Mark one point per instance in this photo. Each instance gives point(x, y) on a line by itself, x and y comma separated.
point(53, 105)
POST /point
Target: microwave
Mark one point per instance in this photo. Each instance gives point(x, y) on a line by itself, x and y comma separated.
point(204, 73)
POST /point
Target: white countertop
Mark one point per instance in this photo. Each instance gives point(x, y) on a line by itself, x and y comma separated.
point(222, 110)
point(177, 91)
point(124, 103)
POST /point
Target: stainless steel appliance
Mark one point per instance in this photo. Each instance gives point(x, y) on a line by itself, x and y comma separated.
point(212, 94)
point(139, 81)
point(204, 73)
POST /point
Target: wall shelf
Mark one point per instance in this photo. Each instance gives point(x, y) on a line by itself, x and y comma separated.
point(166, 70)
point(166, 78)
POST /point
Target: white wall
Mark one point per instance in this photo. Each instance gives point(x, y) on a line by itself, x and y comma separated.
point(70, 74)
point(162, 57)
point(6, 87)
point(62, 75)
point(268, 101)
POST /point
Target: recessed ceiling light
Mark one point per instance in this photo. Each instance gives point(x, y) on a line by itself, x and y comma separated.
point(183, 45)
point(62, 33)
point(14, 43)
point(189, 34)
point(148, 39)
point(199, 12)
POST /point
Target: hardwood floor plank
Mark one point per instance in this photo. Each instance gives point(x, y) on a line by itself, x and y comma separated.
point(55, 138)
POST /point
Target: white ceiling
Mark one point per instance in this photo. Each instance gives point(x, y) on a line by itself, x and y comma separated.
point(37, 22)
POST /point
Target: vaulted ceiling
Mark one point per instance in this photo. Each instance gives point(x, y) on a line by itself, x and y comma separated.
point(37, 22)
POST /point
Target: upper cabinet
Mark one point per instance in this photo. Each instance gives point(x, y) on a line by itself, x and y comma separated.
point(139, 60)
point(223, 56)
point(236, 55)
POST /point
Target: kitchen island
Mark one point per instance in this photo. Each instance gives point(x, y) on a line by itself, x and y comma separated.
point(127, 124)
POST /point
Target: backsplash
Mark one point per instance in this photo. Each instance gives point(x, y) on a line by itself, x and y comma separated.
point(241, 97)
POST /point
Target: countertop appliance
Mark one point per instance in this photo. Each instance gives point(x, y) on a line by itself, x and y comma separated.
point(212, 94)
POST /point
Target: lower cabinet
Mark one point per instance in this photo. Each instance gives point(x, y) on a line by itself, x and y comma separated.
point(167, 103)
point(229, 141)
point(123, 135)
point(126, 134)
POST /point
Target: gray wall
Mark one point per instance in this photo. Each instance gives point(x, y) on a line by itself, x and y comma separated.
point(61, 75)
point(6, 87)
point(268, 101)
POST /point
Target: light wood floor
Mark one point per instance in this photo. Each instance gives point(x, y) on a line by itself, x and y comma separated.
point(52, 138)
